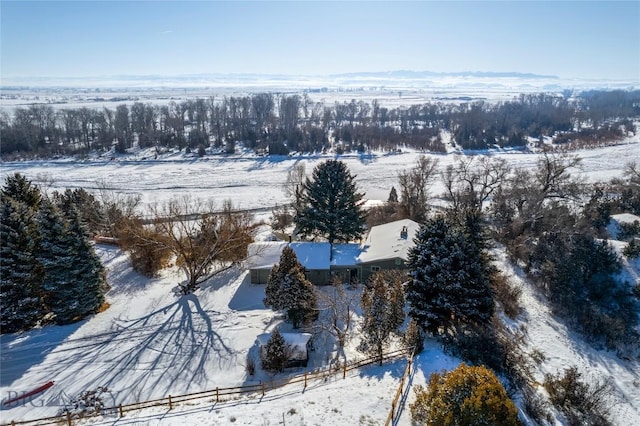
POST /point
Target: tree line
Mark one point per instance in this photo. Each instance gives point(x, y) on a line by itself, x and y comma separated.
point(277, 124)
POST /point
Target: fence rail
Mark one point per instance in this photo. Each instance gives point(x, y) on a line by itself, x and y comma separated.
point(395, 404)
point(218, 393)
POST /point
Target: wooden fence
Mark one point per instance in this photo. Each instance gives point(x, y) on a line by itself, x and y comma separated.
point(395, 404)
point(219, 394)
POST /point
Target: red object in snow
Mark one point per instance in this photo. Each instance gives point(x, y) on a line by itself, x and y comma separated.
point(28, 394)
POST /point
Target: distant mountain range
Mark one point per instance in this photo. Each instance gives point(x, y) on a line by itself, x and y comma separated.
point(403, 74)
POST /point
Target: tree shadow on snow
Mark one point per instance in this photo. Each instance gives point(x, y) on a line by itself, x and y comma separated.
point(20, 351)
point(173, 349)
point(248, 296)
point(394, 369)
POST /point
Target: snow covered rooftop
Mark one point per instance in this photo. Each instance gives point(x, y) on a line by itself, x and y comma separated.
point(264, 255)
point(345, 254)
point(297, 343)
point(625, 218)
point(383, 242)
point(386, 242)
point(613, 228)
point(292, 339)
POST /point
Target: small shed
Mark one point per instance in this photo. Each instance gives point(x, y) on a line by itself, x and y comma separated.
point(298, 344)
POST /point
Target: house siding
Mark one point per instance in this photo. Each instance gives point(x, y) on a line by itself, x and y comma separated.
point(383, 264)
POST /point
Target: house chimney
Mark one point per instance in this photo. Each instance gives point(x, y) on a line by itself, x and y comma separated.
point(404, 233)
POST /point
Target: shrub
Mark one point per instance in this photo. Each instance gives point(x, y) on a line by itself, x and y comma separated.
point(250, 366)
point(581, 403)
point(465, 396)
point(88, 403)
point(628, 230)
point(507, 295)
point(142, 243)
point(632, 250)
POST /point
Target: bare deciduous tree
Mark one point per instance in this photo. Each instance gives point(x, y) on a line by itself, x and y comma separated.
point(470, 181)
point(337, 306)
point(295, 178)
point(204, 243)
point(414, 188)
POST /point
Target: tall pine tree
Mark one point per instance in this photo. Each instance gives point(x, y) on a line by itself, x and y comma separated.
point(451, 285)
point(89, 272)
point(328, 204)
point(21, 189)
point(56, 255)
point(74, 285)
point(20, 272)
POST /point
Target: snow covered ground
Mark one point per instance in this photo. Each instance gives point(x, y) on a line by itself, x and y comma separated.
point(150, 343)
point(256, 182)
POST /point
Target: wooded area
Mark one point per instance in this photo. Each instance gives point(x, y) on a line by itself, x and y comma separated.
point(278, 124)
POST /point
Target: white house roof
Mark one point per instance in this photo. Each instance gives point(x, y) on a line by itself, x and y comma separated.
point(312, 255)
point(626, 218)
point(264, 255)
point(385, 241)
point(382, 242)
point(345, 254)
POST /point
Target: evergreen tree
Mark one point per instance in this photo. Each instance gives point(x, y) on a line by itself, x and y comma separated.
point(288, 289)
point(451, 279)
point(393, 196)
point(89, 273)
point(74, 282)
point(328, 205)
point(21, 189)
point(20, 272)
point(58, 260)
point(382, 311)
point(79, 200)
point(276, 353)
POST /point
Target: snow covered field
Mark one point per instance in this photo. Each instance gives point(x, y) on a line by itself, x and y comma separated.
point(150, 343)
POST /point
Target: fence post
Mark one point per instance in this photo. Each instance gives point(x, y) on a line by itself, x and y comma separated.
point(170, 403)
point(68, 418)
point(217, 394)
point(120, 410)
point(344, 371)
point(263, 389)
point(305, 379)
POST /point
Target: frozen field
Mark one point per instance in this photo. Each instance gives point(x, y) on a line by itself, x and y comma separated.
point(256, 182)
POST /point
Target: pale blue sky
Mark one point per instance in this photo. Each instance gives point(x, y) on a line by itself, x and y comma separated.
point(76, 39)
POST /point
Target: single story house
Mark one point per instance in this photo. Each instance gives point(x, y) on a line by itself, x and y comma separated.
point(298, 345)
point(385, 247)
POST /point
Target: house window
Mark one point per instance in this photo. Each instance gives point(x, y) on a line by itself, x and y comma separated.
point(375, 268)
point(398, 262)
